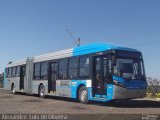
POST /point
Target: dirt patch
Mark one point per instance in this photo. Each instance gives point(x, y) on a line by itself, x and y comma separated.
point(78, 108)
point(31, 100)
point(5, 97)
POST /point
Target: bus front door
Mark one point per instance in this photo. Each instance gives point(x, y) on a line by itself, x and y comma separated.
point(52, 77)
point(99, 76)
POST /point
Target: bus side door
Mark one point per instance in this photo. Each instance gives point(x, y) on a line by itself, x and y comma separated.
point(99, 75)
point(52, 77)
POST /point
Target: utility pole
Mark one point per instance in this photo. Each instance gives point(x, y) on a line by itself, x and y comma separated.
point(78, 41)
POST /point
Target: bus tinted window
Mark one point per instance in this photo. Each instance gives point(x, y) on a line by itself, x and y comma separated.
point(10, 72)
point(84, 67)
point(18, 71)
point(104, 67)
point(14, 72)
point(37, 71)
point(62, 69)
point(72, 71)
point(44, 70)
point(6, 72)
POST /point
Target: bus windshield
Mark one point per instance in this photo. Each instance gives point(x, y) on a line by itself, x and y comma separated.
point(129, 68)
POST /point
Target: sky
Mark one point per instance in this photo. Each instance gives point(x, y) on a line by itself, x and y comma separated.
point(34, 27)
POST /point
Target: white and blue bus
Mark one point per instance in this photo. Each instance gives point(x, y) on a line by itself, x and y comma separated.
point(93, 72)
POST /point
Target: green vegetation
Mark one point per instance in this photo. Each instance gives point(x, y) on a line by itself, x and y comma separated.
point(153, 88)
point(153, 93)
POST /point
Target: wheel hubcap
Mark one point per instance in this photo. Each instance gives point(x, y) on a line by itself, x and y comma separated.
point(84, 95)
point(13, 89)
point(42, 92)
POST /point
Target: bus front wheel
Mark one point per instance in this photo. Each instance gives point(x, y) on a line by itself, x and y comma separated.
point(83, 95)
point(42, 91)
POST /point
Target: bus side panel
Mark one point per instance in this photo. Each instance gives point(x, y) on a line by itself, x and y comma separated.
point(6, 84)
point(63, 88)
point(110, 91)
point(28, 76)
point(10, 81)
point(68, 88)
point(89, 93)
point(36, 83)
point(75, 85)
point(16, 82)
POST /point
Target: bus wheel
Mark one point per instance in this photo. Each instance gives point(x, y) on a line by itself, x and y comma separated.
point(83, 95)
point(42, 91)
point(13, 89)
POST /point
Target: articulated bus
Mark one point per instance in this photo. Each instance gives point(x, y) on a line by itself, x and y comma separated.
point(93, 72)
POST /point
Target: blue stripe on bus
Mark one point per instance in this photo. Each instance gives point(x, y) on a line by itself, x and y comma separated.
point(98, 96)
point(91, 48)
point(120, 80)
point(134, 84)
point(110, 91)
point(74, 86)
point(89, 93)
point(131, 84)
point(97, 47)
point(5, 81)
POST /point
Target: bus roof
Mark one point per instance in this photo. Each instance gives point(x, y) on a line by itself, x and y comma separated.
point(98, 47)
point(17, 62)
point(81, 50)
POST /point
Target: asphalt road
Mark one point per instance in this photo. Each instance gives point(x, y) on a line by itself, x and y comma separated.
point(21, 103)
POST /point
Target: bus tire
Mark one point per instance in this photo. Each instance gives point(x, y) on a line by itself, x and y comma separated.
point(13, 89)
point(41, 91)
point(83, 95)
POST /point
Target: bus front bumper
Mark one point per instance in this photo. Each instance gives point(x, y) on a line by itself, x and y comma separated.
point(124, 93)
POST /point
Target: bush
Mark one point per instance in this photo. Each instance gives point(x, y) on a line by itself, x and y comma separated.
point(158, 95)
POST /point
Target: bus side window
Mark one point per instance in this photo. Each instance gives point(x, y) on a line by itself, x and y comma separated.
point(84, 68)
point(109, 66)
point(109, 75)
point(44, 70)
point(14, 72)
point(62, 69)
point(10, 72)
point(6, 72)
point(104, 67)
point(36, 71)
point(18, 71)
point(73, 68)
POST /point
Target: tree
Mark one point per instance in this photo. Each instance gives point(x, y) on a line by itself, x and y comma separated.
point(153, 86)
